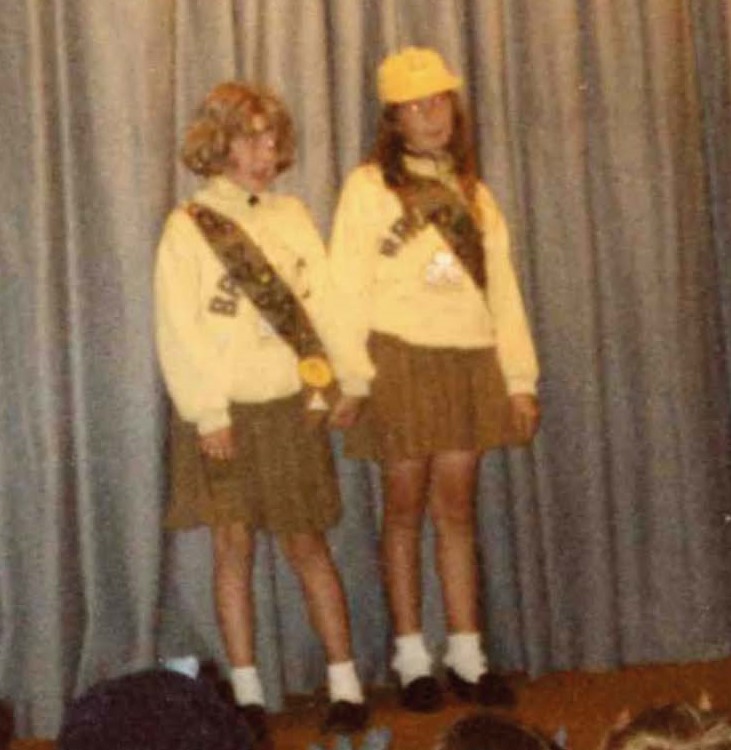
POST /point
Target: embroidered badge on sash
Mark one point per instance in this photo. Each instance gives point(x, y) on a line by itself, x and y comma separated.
point(226, 303)
point(428, 201)
point(443, 270)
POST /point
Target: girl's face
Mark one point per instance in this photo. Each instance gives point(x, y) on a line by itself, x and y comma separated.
point(253, 158)
point(426, 124)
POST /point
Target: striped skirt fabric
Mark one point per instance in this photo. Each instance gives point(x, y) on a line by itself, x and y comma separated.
point(428, 400)
point(281, 479)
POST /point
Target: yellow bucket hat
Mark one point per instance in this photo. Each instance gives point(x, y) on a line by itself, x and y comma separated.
point(413, 73)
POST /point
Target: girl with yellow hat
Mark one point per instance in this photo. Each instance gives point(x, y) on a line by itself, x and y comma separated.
point(421, 263)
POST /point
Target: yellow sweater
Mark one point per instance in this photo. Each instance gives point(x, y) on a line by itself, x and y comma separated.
point(214, 346)
point(416, 289)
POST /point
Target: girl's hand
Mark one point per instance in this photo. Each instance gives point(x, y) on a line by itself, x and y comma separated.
point(526, 415)
point(218, 444)
point(345, 412)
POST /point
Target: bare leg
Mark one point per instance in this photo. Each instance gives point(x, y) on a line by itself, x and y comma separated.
point(452, 510)
point(233, 557)
point(405, 484)
point(309, 555)
point(310, 558)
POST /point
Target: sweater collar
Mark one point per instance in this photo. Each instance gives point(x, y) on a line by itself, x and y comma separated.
point(227, 190)
point(436, 167)
point(440, 166)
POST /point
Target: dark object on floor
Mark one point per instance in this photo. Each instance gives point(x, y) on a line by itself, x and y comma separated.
point(490, 690)
point(7, 724)
point(486, 731)
point(423, 695)
point(255, 717)
point(153, 710)
point(344, 717)
point(211, 674)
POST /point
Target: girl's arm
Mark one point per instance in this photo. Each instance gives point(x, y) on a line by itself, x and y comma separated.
point(194, 370)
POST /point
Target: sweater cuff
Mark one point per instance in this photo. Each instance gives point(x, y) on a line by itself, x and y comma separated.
point(521, 385)
point(355, 387)
point(212, 421)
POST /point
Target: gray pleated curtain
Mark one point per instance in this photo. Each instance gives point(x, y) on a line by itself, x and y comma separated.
point(605, 131)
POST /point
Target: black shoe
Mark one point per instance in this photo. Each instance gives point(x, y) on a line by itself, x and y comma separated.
point(255, 717)
point(490, 690)
point(424, 695)
point(344, 717)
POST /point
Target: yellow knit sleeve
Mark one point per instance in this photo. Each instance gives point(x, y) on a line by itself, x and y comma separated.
point(194, 373)
point(515, 348)
point(353, 254)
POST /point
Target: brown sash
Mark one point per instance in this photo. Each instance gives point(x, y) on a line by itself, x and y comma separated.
point(249, 268)
point(429, 201)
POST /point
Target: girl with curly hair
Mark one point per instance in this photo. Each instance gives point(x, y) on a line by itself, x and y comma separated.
point(247, 349)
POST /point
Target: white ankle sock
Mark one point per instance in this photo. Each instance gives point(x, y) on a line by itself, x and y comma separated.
point(343, 682)
point(465, 656)
point(187, 665)
point(247, 686)
point(411, 658)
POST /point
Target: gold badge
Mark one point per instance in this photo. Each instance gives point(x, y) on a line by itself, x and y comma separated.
point(315, 372)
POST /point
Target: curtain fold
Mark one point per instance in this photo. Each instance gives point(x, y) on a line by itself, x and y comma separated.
point(603, 129)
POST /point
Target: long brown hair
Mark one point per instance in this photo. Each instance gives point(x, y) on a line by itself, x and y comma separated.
point(390, 147)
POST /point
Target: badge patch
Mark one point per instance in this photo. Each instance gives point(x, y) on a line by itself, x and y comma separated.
point(443, 270)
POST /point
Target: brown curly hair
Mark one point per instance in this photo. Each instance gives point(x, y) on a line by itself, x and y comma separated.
point(390, 147)
point(228, 111)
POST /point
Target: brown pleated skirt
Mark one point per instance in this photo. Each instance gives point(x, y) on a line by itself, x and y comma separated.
point(428, 400)
point(282, 478)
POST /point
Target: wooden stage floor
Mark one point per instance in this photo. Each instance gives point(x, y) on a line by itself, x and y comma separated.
point(583, 703)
